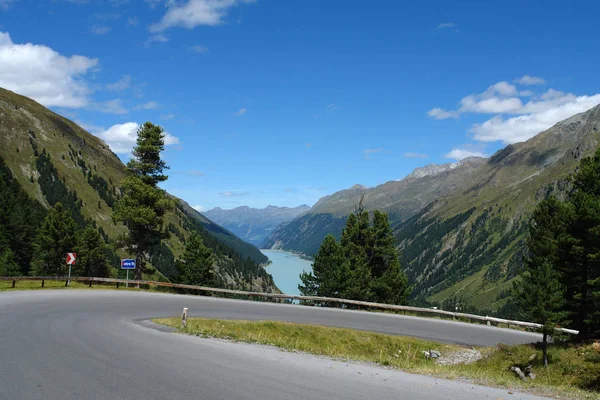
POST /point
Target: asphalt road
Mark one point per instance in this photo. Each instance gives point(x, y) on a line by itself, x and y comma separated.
point(95, 345)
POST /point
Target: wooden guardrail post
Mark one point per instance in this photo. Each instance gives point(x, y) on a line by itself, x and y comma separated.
point(42, 283)
point(14, 283)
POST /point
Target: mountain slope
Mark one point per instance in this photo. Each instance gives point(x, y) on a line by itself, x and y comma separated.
point(467, 247)
point(53, 159)
point(252, 224)
point(400, 199)
point(460, 229)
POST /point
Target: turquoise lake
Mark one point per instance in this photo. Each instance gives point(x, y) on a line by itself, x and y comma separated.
point(286, 268)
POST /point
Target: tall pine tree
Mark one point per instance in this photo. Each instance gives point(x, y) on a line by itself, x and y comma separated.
point(329, 271)
point(196, 266)
point(55, 238)
point(93, 255)
point(364, 265)
point(143, 204)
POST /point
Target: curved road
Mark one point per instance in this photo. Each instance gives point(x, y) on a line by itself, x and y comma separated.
point(94, 345)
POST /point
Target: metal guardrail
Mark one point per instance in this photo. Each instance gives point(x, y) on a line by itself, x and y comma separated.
point(392, 307)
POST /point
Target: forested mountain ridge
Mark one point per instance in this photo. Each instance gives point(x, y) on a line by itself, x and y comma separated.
point(253, 224)
point(467, 246)
point(51, 159)
point(399, 199)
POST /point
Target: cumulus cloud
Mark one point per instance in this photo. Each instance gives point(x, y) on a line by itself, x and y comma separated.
point(240, 112)
point(194, 13)
point(121, 85)
point(199, 208)
point(121, 138)
point(523, 127)
point(415, 155)
point(459, 154)
point(43, 74)
point(517, 114)
point(531, 80)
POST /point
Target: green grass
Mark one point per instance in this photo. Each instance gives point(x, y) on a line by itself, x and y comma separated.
point(574, 370)
point(6, 286)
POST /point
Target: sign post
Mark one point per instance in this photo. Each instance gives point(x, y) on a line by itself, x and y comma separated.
point(71, 257)
point(127, 264)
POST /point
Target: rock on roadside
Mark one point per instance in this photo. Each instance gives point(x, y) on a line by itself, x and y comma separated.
point(466, 356)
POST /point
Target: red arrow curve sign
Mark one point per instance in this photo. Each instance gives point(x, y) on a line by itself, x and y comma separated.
point(71, 258)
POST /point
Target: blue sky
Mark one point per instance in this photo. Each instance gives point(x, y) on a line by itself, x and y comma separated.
point(281, 102)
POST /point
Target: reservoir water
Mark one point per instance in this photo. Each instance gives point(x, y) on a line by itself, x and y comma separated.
point(286, 268)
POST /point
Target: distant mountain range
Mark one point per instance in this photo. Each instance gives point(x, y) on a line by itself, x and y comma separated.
point(254, 225)
point(460, 227)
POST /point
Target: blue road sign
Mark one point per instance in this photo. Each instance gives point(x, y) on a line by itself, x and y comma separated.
point(127, 264)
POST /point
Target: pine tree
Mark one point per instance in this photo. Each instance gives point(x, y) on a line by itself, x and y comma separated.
point(355, 241)
point(540, 297)
point(390, 284)
point(196, 266)
point(55, 238)
point(143, 204)
point(582, 246)
point(329, 271)
point(8, 266)
point(93, 255)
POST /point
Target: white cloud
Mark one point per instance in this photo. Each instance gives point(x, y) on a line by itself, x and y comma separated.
point(199, 208)
point(415, 155)
point(111, 107)
point(331, 107)
point(446, 25)
point(531, 80)
point(167, 116)
point(158, 38)
point(523, 127)
point(372, 151)
point(196, 173)
point(133, 21)
point(459, 154)
point(199, 49)
point(151, 105)
point(237, 193)
point(194, 13)
point(530, 112)
point(440, 113)
point(122, 84)
point(100, 29)
point(41, 73)
point(122, 137)
point(240, 112)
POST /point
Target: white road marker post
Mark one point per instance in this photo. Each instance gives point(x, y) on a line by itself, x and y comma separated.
point(184, 317)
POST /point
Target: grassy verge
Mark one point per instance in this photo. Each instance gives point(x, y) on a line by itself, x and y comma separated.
point(37, 285)
point(574, 371)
